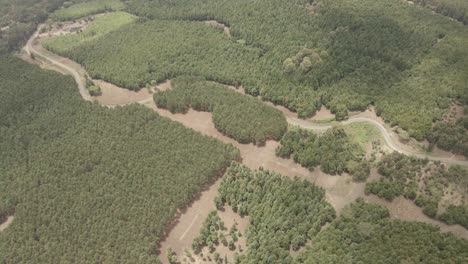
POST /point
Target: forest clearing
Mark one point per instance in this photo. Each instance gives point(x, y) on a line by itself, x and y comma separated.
point(340, 190)
point(237, 132)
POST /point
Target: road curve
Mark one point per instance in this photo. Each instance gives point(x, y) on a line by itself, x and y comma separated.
point(29, 48)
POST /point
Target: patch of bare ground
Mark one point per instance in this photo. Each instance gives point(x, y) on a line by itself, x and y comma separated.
point(323, 114)
point(188, 223)
point(229, 218)
point(218, 24)
point(404, 209)
point(454, 112)
point(340, 190)
point(254, 157)
point(443, 153)
point(64, 28)
point(161, 87)
point(41, 63)
point(36, 44)
point(8, 222)
point(115, 95)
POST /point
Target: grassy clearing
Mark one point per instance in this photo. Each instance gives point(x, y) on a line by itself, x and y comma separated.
point(101, 26)
point(86, 8)
point(362, 133)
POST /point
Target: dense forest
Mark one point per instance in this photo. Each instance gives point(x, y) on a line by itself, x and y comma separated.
point(101, 26)
point(456, 9)
point(241, 117)
point(72, 10)
point(364, 233)
point(86, 183)
point(451, 136)
point(19, 19)
point(333, 151)
point(284, 214)
point(154, 51)
point(441, 191)
point(345, 54)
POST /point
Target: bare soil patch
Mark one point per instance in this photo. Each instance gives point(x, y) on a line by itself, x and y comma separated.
point(189, 223)
point(164, 86)
point(404, 209)
point(323, 114)
point(218, 24)
point(342, 189)
point(229, 218)
point(115, 95)
point(8, 222)
point(454, 112)
point(64, 28)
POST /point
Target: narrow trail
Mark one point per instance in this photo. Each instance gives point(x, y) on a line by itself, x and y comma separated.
point(80, 80)
point(8, 222)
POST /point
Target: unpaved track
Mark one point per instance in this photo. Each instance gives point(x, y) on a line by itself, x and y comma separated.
point(7, 223)
point(340, 191)
point(80, 80)
point(389, 140)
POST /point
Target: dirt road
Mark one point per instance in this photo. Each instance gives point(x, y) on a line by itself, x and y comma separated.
point(389, 139)
point(339, 190)
point(80, 80)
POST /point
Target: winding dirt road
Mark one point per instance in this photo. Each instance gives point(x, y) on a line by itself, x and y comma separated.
point(388, 136)
point(80, 80)
point(340, 190)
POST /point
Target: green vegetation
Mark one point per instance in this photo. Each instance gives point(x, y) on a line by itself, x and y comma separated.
point(283, 213)
point(405, 60)
point(347, 55)
point(441, 191)
point(18, 20)
point(209, 233)
point(160, 50)
point(362, 133)
point(400, 176)
point(364, 233)
point(451, 136)
point(241, 117)
point(94, 90)
point(456, 9)
point(333, 150)
point(72, 10)
point(86, 183)
point(99, 27)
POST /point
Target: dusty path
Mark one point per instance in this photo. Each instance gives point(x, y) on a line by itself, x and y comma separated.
point(6, 223)
point(340, 190)
point(80, 80)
